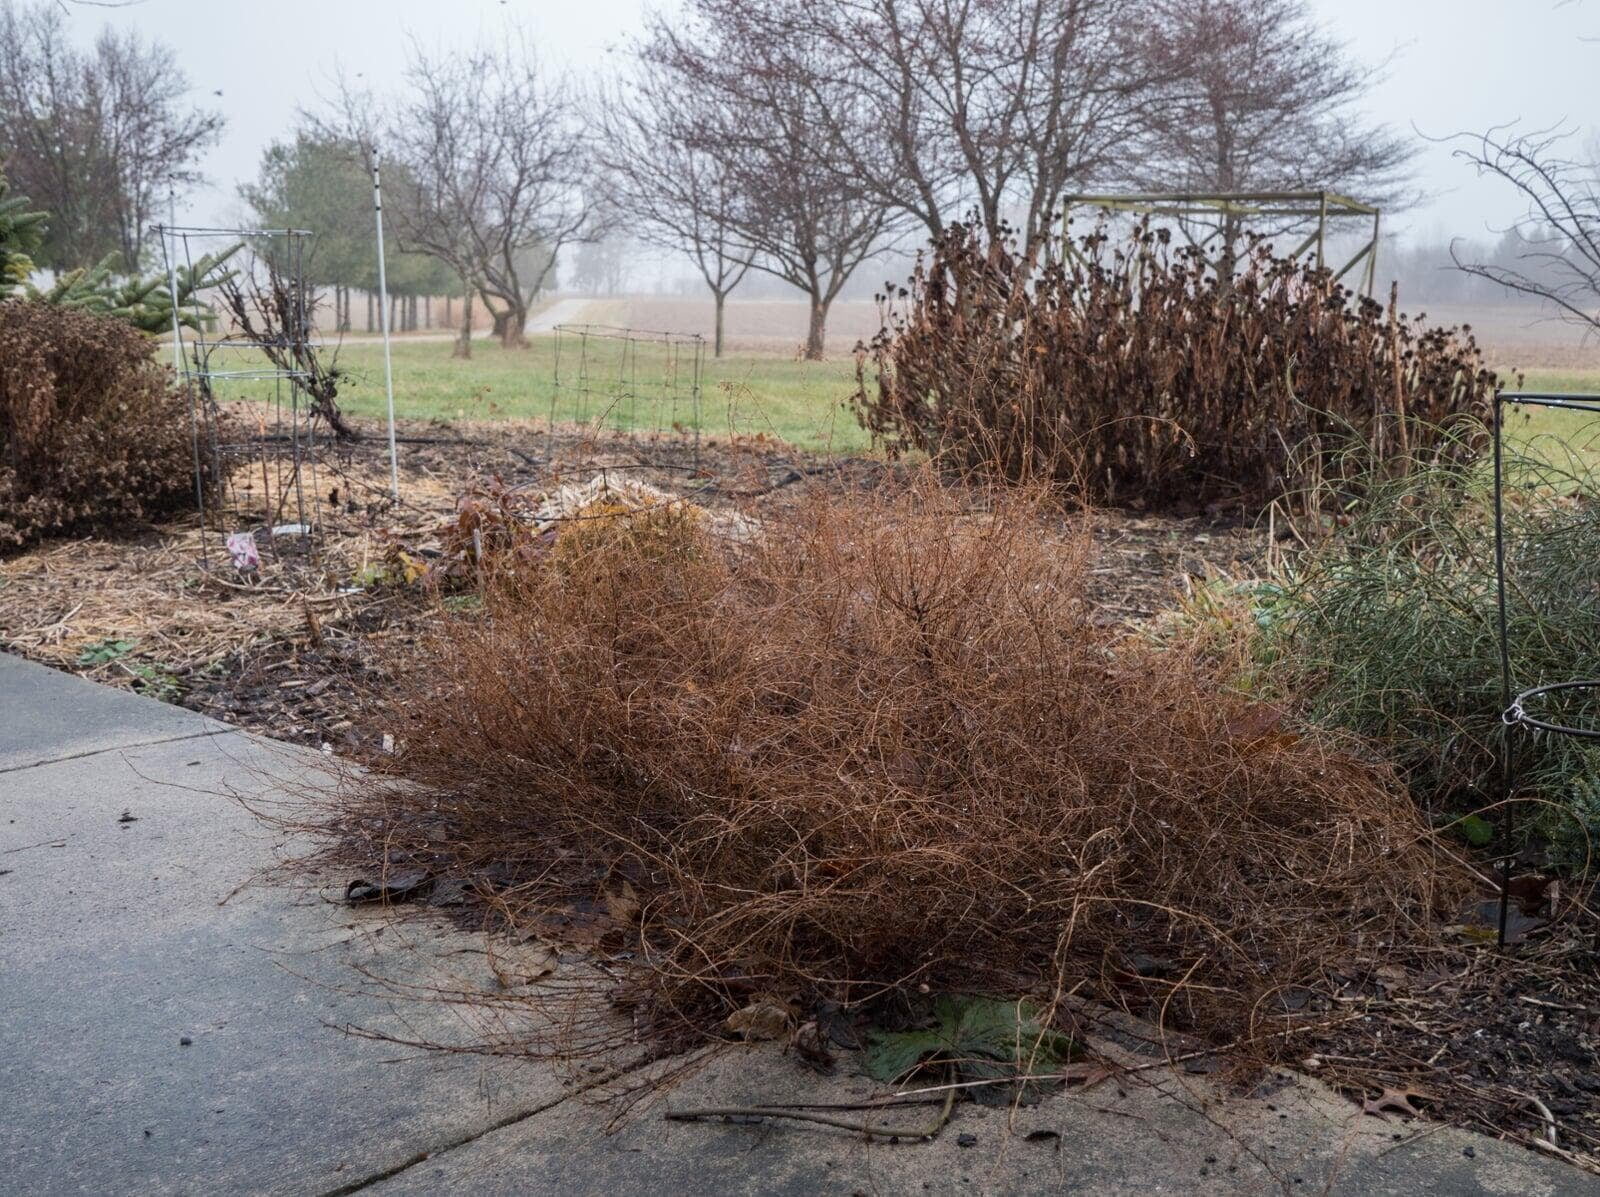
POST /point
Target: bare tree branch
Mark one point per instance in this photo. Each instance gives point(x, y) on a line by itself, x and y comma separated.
point(756, 115)
point(1554, 247)
point(96, 137)
point(681, 196)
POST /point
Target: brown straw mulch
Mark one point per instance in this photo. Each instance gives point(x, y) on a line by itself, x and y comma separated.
point(874, 748)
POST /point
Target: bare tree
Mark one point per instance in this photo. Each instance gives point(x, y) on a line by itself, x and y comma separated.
point(495, 179)
point(97, 138)
point(938, 107)
point(681, 196)
point(277, 315)
point(760, 107)
point(1552, 251)
point(1251, 95)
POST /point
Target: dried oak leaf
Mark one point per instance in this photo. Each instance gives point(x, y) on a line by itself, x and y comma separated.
point(1396, 1101)
point(810, 1043)
point(623, 905)
point(524, 964)
point(764, 1018)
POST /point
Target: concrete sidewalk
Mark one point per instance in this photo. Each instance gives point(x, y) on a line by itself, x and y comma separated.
point(173, 1022)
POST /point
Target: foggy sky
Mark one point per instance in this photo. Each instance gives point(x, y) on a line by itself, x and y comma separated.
point(1454, 65)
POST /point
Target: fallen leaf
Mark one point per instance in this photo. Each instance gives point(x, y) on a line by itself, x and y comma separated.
point(840, 1025)
point(623, 905)
point(1391, 977)
point(402, 885)
point(765, 1018)
point(810, 1043)
point(1397, 1101)
point(1476, 830)
point(451, 891)
point(984, 1040)
point(1480, 923)
point(524, 964)
point(582, 925)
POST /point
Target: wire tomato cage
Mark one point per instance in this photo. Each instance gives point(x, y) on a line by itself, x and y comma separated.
point(1525, 709)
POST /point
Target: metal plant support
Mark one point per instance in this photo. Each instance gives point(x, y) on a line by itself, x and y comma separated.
point(208, 358)
point(1238, 208)
point(629, 381)
point(1522, 708)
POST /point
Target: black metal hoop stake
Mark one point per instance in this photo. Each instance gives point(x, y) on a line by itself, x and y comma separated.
point(1512, 707)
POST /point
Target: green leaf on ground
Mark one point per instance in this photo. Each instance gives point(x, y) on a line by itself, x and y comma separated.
point(102, 651)
point(980, 1039)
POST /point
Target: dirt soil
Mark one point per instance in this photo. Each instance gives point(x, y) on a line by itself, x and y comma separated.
point(1508, 1045)
point(285, 650)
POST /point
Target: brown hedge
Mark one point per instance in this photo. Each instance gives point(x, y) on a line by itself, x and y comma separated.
point(93, 436)
point(1133, 374)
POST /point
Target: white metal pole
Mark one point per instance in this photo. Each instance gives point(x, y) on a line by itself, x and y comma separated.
point(169, 252)
point(180, 368)
point(383, 323)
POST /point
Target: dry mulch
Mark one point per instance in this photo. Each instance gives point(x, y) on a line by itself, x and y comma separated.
point(285, 653)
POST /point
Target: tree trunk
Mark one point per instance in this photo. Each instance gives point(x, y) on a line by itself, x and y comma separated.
point(394, 314)
point(816, 332)
point(369, 311)
point(427, 312)
point(463, 345)
point(414, 315)
point(449, 311)
point(716, 339)
point(512, 334)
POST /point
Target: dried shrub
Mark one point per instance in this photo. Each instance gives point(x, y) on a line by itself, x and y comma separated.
point(877, 746)
point(92, 433)
point(1139, 377)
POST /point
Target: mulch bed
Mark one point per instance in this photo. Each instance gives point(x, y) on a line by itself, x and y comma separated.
point(1508, 1045)
point(288, 652)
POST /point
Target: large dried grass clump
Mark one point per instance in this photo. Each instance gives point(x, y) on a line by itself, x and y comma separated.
point(878, 746)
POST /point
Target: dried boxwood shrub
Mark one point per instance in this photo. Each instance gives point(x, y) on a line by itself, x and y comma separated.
point(92, 433)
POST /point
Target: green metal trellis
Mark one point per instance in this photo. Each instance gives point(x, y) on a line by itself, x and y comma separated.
point(1298, 208)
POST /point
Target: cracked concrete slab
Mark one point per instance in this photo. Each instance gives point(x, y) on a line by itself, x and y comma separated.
point(162, 1033)
point(1153, 1132)
point(173, 1020)
point(46, 715)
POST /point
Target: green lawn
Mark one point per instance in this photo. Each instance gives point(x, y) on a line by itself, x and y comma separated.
point(795, 401)
point(1568, 439)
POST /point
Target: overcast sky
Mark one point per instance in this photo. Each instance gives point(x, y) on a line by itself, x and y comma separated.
point(1456, 65)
